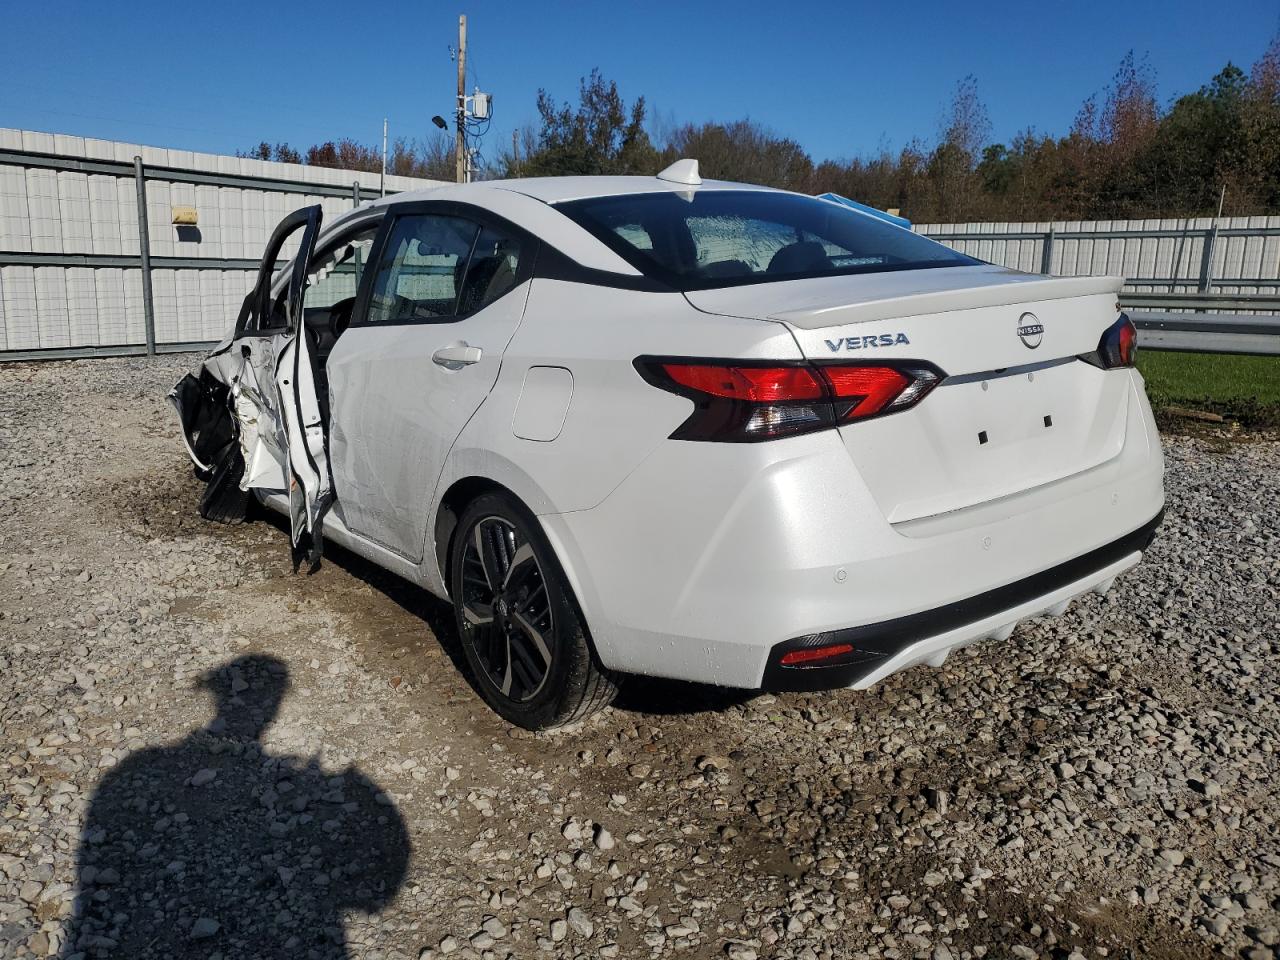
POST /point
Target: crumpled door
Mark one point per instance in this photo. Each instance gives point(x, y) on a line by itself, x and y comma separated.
point(307, 459)
point(250, 416)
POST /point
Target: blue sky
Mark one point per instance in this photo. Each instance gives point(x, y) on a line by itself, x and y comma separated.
point(841, 78)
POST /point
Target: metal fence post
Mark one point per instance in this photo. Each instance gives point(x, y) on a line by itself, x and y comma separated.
point(144, 253)
point(1206, 264)
point(1046, 255)
point(1207, 260)
point(355, 192)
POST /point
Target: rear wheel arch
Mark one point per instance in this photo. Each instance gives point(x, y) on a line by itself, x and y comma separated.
point(452, 504)
point(470, 485)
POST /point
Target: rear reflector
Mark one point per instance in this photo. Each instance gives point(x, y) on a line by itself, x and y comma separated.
point(742, 401)
point(795, 658)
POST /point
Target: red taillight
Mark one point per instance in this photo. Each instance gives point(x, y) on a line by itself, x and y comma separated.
point(755, 384)
point(1127, 342)
point(1118, 346)
point(741, 401)
point(870, 388)
point(795, 658)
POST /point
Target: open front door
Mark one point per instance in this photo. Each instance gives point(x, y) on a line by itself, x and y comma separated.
point(307, 460)
point(251, 419)
point(231, 411)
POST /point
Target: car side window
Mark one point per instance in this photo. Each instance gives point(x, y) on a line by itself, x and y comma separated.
point(495, 264)
point(421, 270)
point(634, 234)
point(335, 273)
point(332, 277)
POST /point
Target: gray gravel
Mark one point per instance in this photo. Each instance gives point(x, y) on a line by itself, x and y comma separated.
point(1100, 785)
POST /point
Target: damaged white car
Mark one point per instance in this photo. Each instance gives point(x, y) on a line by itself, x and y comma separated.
point(692, 429)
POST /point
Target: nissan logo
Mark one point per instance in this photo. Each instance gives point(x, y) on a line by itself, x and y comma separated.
point(1030, 330)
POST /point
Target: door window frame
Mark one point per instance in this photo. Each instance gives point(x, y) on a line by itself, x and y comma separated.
point(262, 296)
point(367, 224)
point(480, 217)
point(277, 280)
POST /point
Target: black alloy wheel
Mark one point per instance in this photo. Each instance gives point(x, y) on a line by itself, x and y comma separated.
point(506, 608)
point(521, 629)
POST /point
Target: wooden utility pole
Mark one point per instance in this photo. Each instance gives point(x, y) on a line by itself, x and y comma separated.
point(515, 155)
point(460, 151)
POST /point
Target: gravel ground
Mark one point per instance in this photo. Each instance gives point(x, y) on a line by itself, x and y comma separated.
point(202, 754)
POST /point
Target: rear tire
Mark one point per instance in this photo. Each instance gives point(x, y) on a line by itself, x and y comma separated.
point(519, 624)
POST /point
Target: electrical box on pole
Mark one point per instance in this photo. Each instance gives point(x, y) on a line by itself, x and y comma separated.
point(477, 107)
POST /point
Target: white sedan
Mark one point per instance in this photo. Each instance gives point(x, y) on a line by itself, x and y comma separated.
point(692, 429)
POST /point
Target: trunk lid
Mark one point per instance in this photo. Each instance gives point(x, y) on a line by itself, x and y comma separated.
point(1016, 410)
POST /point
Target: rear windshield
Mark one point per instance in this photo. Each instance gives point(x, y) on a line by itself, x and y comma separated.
point(721, 238)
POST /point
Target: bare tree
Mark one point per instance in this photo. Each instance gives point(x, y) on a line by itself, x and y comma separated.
point(967, 125)
point(966, 131)
point(431, 158)
point(1129, 113)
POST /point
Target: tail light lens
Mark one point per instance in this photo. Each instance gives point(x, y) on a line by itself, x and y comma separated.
point(738, 401)
point(1118, 346)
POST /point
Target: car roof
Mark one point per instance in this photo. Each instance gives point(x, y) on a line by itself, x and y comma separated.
point(526, 202)
point(559, 189)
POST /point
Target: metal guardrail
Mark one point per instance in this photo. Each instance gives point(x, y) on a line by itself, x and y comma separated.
point(1197, 302)
point(1208, 333)
point(1175, 321)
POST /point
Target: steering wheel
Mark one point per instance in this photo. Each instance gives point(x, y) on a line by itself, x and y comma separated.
point(313, 339)
point(340, 317)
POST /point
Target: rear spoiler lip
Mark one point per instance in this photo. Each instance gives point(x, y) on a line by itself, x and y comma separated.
point(1033, 289)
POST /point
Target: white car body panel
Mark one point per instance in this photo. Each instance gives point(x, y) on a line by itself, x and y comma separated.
point(614, 419)
point(752, 539)
point(696, 560)
point(396, 413)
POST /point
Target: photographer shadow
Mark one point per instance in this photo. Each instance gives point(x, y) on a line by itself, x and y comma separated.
point(213, 847)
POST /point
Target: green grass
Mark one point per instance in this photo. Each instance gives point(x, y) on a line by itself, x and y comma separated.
point(1244, 388)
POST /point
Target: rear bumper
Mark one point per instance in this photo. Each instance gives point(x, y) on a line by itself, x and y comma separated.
point(709, 556)
point(880, 649)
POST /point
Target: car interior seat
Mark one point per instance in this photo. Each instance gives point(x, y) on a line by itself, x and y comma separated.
point(803, 256)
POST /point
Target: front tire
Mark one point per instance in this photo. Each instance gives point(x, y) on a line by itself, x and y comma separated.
point(521, 631)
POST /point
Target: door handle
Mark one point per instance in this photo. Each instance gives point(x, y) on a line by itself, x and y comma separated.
point(457, 356)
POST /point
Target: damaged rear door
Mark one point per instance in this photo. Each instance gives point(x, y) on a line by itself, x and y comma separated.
point(235, 415)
